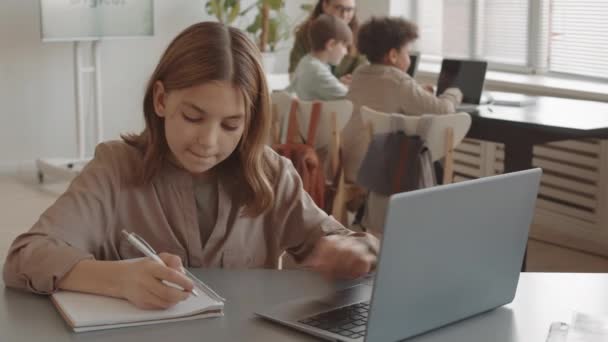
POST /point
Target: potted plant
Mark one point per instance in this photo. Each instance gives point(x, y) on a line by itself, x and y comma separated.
point(225, 11)
point(270, 25)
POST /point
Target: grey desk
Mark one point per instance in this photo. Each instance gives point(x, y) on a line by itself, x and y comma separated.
point(541, 298)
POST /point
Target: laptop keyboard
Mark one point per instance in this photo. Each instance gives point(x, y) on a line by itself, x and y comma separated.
point(348, 321)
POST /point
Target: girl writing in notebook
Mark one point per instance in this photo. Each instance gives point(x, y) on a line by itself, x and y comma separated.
point(198, 184)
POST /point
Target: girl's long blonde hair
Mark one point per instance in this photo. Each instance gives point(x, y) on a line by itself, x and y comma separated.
point(207, 52)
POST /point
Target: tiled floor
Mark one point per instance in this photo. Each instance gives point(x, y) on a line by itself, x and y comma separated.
point(22, 201)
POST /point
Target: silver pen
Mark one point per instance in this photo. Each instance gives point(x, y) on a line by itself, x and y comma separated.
point(141, 244)
point(204, 287)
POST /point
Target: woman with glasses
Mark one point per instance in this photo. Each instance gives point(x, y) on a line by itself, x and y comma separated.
point(345, 10)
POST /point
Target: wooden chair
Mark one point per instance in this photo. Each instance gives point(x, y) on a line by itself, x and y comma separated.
point(333, 117)
point(444, 133)
point(281, 105)
point(325, 138)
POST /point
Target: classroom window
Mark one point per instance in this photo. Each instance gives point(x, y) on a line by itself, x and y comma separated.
point(504, 31)
point(457, 28)
point(579, 37)
point(495, 30)
point(561, 36)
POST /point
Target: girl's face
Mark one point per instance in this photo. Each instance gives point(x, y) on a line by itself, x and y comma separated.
point(343, 9)
point(203, 124)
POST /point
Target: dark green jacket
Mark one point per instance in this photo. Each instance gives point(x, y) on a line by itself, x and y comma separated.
point(302, 46)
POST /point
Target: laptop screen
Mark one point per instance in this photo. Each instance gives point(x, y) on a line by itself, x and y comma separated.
point(414, 59)
point(466, 75)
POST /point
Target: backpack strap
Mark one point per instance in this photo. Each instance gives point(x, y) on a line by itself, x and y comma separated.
point(315, 116)
point(402, 159)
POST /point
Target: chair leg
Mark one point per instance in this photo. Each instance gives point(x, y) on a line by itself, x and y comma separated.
point(448, 170)
point(334, 152)
point(338, 208)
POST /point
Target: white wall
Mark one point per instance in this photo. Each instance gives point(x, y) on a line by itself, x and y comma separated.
point(35, 87)
point(368, 8)
point(37, 111)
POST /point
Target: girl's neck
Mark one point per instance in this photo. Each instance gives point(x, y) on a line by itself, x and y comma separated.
point(205, 176)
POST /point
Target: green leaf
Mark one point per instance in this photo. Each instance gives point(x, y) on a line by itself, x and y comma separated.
point(246, 10)
point(234, 12)
point(214, 9)
point(274, 4)
point(229, 4)
point(220, 12)
point(279, 30)
point(256, 25)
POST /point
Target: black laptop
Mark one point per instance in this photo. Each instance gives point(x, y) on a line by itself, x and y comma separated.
point(414, 60)
point(467, 75)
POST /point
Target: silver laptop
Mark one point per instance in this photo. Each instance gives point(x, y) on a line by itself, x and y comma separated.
point(467, 75)
point(448, 253)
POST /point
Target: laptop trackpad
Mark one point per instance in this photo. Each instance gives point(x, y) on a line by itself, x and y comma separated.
point(351, 295)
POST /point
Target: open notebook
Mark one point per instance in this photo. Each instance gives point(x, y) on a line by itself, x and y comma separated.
point(87, 312)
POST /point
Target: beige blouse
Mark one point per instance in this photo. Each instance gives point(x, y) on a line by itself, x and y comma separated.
point(205, 195)
point(86, 221)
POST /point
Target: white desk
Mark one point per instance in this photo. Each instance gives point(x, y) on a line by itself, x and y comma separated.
point(541, 299)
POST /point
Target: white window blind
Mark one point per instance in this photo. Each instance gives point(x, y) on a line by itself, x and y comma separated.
point(579, 37)
point(457, 28)
point(429, 17)
point(564, 36)
point(444, 27)
point(496, 30)
point(503, 31)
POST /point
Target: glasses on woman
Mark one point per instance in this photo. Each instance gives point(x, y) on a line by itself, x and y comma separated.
point(343, 10)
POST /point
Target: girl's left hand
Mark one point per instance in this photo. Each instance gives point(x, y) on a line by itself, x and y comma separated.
point(344, 257)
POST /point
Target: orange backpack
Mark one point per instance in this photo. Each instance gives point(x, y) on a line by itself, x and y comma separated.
point(303, 155)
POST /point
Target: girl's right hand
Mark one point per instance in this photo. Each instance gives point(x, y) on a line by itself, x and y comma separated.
point(140, 282)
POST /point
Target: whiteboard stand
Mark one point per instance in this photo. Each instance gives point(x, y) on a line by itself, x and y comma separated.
point(66, 168)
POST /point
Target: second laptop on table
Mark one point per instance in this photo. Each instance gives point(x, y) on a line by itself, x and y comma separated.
point(467, 75)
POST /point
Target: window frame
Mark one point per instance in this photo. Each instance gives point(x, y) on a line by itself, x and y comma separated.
point(534, 59)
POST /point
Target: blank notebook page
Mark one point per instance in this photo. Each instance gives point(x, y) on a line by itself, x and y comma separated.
point(82, 310)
